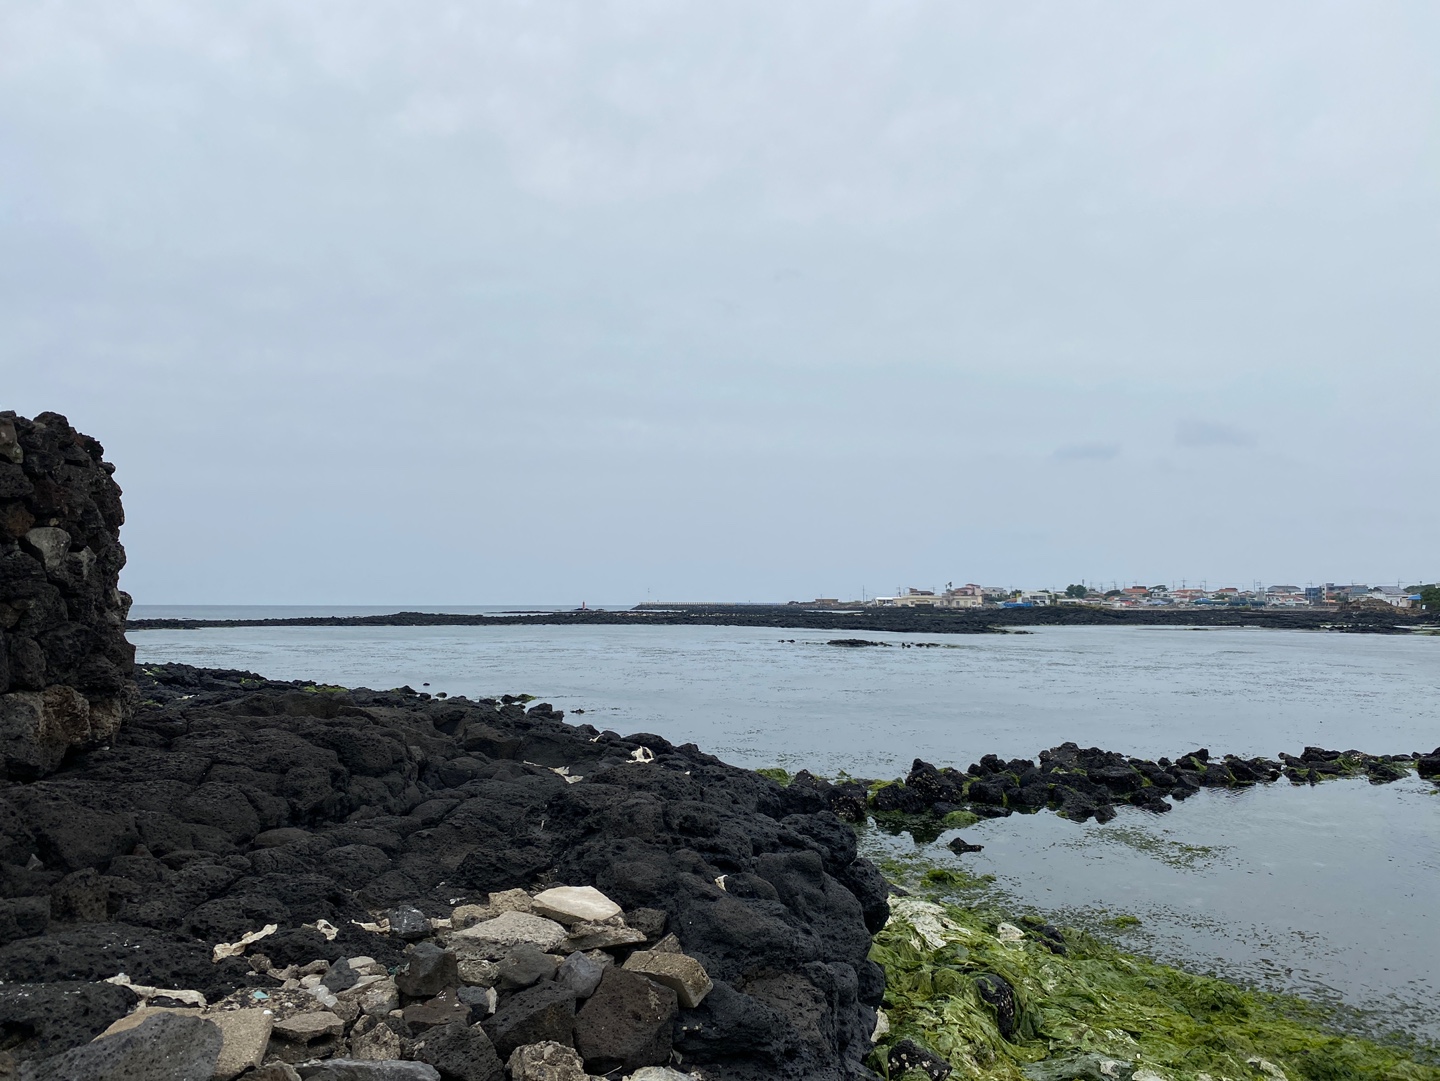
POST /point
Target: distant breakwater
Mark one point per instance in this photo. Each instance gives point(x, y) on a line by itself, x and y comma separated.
point(903, 621)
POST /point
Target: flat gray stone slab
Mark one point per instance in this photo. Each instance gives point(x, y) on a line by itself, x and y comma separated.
point(512, 928)
point(574, 904)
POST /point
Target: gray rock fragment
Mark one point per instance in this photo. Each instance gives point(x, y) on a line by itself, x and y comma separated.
point(409, 923)
point(426, 971)
point(168, 1047)
point(548, 1061)
point(579, 974)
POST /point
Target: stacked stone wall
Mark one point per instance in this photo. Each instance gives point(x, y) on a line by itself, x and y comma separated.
point(65, 666)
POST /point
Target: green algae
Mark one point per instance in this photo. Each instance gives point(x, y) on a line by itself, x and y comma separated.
point(1176, 854)
point(775, 773)
point(1095, 1000)
point(1123, 922)
point(958, 820)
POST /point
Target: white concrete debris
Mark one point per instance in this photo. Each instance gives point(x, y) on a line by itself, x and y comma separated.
point(144, 992)
point(236, 948)
point(573, 904)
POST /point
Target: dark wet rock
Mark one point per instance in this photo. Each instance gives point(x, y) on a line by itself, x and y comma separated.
point(340, 976)
point(446, 1008)
point(43, 1019)
point(460, 1053)
point(848, 801)
point(479, 999)
point(960, 846)
point(987, 792)
point(898, 798)
point(409, 923)
point(21, 917)
point(579, 975)
point(1000, 996)
point(167, 1047)
point(427, 970)
point(539, 1014)
point(524, 966)
point(909, 1055)
point(650, 922)
point(626, 1024)
point(934, 785)
point(1047, 934)
point(1149, 800)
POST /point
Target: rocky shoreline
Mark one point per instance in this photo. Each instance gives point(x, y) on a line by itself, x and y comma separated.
point(1082, 783)
point(369, 829)
point(1359, 619)
point(293, 880)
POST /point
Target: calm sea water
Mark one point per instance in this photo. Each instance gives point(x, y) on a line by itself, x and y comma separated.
point(1330, 891)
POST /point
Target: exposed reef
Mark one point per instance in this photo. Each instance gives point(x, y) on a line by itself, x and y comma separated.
point(1083, 783)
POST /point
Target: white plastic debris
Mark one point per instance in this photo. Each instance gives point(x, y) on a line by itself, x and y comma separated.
point(325, 927)
point(379, 927)
point(144, 992)
point(927, 919)
point(642, 754)
point(235, 949)
point(720, 881)
point(882, 1027)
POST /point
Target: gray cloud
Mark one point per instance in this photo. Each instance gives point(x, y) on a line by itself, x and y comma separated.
point(1207, 433)
point(691, 283)
point(1087, 452)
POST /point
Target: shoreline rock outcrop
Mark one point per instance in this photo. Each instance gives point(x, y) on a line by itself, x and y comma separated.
point(380, 837)
point(1083, 783)
point(65, 666)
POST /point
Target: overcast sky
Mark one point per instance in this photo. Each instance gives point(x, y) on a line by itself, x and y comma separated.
point(510, 302)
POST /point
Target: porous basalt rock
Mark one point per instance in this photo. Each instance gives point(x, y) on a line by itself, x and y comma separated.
point(229, 803)
point(65, 666)
point(1082, 783)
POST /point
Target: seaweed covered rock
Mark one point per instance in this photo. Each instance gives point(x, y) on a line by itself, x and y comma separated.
point(65, 665)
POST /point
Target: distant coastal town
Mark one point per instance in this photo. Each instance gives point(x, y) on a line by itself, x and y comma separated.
point(1329, 595)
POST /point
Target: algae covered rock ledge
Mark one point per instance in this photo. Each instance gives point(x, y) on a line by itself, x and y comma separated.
point(995, 1000)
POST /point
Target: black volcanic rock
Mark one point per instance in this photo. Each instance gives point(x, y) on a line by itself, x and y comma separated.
point(65, 665)
point(229, 802)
